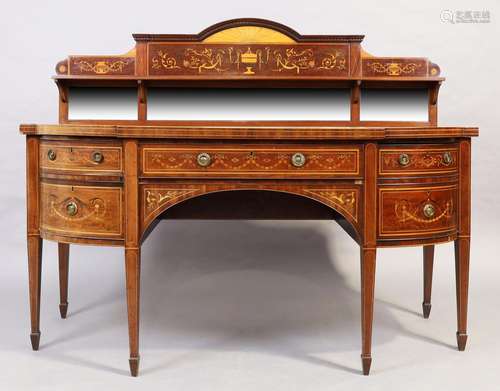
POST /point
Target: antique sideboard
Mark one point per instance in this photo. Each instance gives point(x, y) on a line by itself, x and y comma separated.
point(107, 181)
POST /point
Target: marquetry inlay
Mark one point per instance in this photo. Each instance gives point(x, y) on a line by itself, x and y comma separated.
point(254, 161)
point(405, 211)
point(345, 200)
point(417, 210)
point(157, 198)
point(426, 161)
point(97, 65)
point(248, 59)
point(81, 210)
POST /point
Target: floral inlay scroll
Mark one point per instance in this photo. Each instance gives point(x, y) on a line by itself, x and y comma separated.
point(298, 60)
point(395, 67)
point(163, 60)
point(157, 198)
point(345, 200)
point(102, 66)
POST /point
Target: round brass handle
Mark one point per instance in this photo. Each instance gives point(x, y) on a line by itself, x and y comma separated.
point(298, 159)
point(97, 157)
point(404, 159)
point(204, 159)
point(51, 154)
point(447, 158)
point(72, 208)
point(429, 210)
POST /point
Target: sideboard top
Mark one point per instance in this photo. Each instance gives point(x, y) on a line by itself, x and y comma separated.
point(246, 49)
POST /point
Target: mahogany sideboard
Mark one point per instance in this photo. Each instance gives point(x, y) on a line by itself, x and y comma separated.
point(107, 182)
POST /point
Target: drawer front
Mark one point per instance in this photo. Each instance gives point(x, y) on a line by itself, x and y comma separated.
point(250, 161)
point(81, 211)
point(81, 157)
point(418, 160)
point(422, 211)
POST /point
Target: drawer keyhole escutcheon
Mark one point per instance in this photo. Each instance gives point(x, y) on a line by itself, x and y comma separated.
point(404, 159)
point(429, 211)
point(72, 208)
point(204, 159)
point(447, 158)
point(298, 159)
point(51, 154)
point(97, 157)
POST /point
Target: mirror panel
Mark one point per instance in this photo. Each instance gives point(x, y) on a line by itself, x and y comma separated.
point(86, 103)
point(394, 105)
point(248, 104)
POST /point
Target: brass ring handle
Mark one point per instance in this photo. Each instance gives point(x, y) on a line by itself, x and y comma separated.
point(404, 159)
point(97, 157)
point(447, 158)
point(298, 159)
point(51, 155)
point(204, 159)
point(72, 208)
point(429, 210)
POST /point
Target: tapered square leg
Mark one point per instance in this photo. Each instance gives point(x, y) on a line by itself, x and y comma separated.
point(368, 258)
point(134, 366)
point(63, 278)
point(428, 268)
point(35, 274)
point(462, 253)
point(133, 272)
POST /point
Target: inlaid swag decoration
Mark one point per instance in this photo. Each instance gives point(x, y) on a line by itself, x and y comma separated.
point(248, 48)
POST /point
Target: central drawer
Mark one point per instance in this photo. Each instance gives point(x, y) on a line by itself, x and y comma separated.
point(250, 161)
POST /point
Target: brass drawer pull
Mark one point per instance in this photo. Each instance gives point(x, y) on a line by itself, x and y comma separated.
point(51, 155)
point(404, 159)
point(298, 159)
point(71, 208)
point(97, 157)
point(429, 211)
point(447, 158)
point(204, 159)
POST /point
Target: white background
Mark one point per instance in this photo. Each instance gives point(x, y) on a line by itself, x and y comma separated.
point(249, 305)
